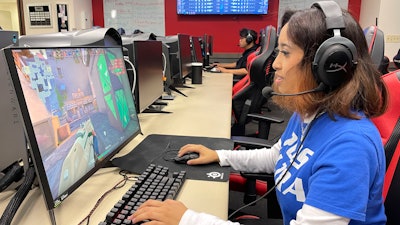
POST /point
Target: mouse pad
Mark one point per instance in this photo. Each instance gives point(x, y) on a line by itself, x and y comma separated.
point(161, 149)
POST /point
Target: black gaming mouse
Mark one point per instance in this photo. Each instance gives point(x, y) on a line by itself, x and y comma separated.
point(186, 157)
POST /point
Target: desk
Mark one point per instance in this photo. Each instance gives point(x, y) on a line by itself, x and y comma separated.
point(205, 112)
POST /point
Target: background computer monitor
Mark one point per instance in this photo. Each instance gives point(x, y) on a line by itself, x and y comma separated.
point(77, 109)
point(184, 58)
point(92, 37)
point(197, 52)
point(170, 50)
point(147, 75)
point(146, 56)
point(207, 48)
point(178, 48)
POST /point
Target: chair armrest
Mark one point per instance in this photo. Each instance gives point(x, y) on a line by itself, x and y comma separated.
point(267, 118)
point(251, 142)
point(258, 176)
point(264, 123)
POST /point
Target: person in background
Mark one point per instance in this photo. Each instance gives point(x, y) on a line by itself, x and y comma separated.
point(329, 164)
point(247, 41)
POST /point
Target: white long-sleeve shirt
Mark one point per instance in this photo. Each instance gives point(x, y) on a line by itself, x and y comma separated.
point(260, 160)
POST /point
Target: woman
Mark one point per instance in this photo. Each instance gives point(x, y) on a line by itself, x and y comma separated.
point(329, 164)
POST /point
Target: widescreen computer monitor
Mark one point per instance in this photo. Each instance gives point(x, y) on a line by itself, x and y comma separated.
point(77, 110)
point(146, 77)
point(92, 37)
point(197, 52)
point(184, 57)
point(149, 73)
point(180, 57)
point(146, 56)
point(207, 48)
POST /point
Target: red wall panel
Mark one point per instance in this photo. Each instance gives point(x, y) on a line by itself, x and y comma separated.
point(224, 28)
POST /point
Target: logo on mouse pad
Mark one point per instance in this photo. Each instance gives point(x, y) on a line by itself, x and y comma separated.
point(215, 175)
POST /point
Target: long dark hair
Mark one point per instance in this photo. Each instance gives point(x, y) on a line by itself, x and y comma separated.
point(365, 91)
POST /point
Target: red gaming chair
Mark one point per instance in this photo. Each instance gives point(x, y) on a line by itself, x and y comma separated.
point(389, 128)
point(245, 81)
point(249, 99)
point(260, 74)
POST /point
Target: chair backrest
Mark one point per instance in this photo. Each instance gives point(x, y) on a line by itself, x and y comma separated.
point(249, 98)
point(376, 44)
point(389, 125)
point(261, 67)
point(245, 81)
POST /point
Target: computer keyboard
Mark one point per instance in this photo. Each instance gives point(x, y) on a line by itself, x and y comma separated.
point(156, 182)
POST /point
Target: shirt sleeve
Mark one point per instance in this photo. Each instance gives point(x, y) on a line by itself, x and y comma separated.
point(195, 218)
point(255, 161)
point(309, 215)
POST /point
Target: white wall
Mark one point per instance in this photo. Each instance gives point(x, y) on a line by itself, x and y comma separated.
point(386, 12)
point(75, 11)
point(8, 11)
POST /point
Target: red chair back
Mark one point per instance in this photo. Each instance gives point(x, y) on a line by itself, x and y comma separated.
point(389, 127)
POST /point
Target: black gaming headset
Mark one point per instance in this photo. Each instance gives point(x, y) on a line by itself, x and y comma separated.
point(249, 37)
point(336, 58)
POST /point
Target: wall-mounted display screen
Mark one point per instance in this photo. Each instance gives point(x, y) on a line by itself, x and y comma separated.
point(222, 7)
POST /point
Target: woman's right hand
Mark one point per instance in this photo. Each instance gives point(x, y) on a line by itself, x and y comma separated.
point(206, 155)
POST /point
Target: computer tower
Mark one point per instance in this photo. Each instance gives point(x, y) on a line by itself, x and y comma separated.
point(8, 38)
point(12, 137)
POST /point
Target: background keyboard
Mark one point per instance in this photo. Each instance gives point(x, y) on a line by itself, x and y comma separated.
point(156, 182)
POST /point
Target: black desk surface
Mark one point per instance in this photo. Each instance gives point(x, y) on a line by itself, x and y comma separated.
point(161, 149)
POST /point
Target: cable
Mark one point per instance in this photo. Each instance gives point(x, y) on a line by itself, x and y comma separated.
point(13, 173)
point(134, 74)
point(123, 173)
point(287, 170)
point(16, 201)
point(164, 63)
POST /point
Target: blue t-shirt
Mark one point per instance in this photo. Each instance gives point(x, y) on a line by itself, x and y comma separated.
point(339, 169)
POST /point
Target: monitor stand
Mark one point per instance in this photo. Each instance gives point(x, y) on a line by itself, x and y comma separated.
point(52, 217)
point(156, 107)
point(180, 83)
point(173, 88)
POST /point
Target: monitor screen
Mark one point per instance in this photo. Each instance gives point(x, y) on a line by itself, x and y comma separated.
point(77, 110)
point(222, 7)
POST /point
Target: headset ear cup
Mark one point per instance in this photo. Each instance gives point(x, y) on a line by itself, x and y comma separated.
point(249, 38)
point(334, 61)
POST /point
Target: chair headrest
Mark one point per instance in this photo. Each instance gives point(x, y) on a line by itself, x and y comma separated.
point(376, 44)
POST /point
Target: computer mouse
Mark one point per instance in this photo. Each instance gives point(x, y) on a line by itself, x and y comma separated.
point(186, 157)
point(215, 70)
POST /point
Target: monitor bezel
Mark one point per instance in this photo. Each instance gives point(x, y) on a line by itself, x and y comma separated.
point(33, 146)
